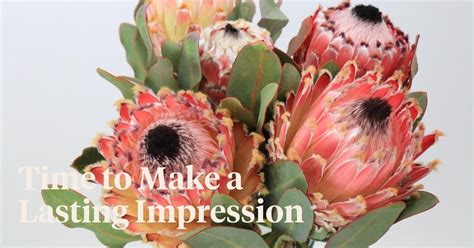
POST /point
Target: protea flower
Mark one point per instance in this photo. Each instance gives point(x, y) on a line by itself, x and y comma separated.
point(172, 130)
point(361, 33)
point(219, 46)
point(173, 19)
point(354, 140)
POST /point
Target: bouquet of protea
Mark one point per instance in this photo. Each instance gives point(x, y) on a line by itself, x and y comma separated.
point(330, 126)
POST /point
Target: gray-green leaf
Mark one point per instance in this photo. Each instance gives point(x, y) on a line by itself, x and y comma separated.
point(368, 229)
point(282, 176)
point(189, 70)
point(104, 232)
point(298, 231)
point(273, 19)
point(229, 237)
point(254, 68)
point(422, 99)
point(290, 79)
point(122, 83)
point(90, 155)
point(418, 204)
point(267, 95)
point(161, 75)
point(135, 49)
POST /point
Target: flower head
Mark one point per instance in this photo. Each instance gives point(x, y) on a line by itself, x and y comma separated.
point(173, 19)
point(219, 46)
point(172, 130)
point(361, 33)
point(354, 140)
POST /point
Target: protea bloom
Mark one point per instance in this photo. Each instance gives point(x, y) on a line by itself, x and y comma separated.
point(173, 19)
point(219, 46)
point(361, 33)
point(354, 140)
point(172, 130)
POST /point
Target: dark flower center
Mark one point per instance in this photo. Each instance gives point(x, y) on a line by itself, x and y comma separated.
point(231, 30)
point(367, 13)
point(372, 114)
point(163, 142)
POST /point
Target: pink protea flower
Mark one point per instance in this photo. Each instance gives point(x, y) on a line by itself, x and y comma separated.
point(361, 33)
point(353, 138)
point(173, 19)
point(172, 130)
point(219, 46)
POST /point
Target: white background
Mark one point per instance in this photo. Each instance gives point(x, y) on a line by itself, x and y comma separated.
point(53, 103)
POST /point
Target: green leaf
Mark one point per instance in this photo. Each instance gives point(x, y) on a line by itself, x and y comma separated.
point(290, 79)
point(137, 54)
point(332, 67)
point(161, 75)
point(273, 18)
point(189, 64)
point(319, 233)
point(285, 58)
point(298, 231)
point(282, 176)
point(138, 6)
point(253, 69)
point(238, 111)
point(243, 10)
point(297, 41)
point(104, 232)
point(171, 51)
point(267, 95)
point(142, 26)
point(227, 201)
point(368, 229)
point(229, 237)
point(272, 239)
point(418, 204)
point(90, 155)
point(124, 85)
point(422, 99)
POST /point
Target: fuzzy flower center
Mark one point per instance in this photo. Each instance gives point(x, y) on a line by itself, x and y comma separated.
point(163, 142)
point(231, 30)
point(372, 115)
point(168, 144)
point(367, 13)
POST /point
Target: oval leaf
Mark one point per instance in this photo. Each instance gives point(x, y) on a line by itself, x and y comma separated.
point(161, 75)
point(418, 204)
point(368, 229)
point(273, 19)
point(282, 176)
point(290, 79)
point(135, 49)
point(238, 111)
point(189, 70)
point(285, 58)
point(89, 156)
point(298, 231)
point(227, 201)
point(254, 68)
point(243, 10)
point(422, 99)
point(218, 237)
point(171, 51)
point(104, 232)
point(267, 95)
point(142, 27)
point(124, 85)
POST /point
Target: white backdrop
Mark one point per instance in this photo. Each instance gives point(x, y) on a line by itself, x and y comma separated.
point(53, 103)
